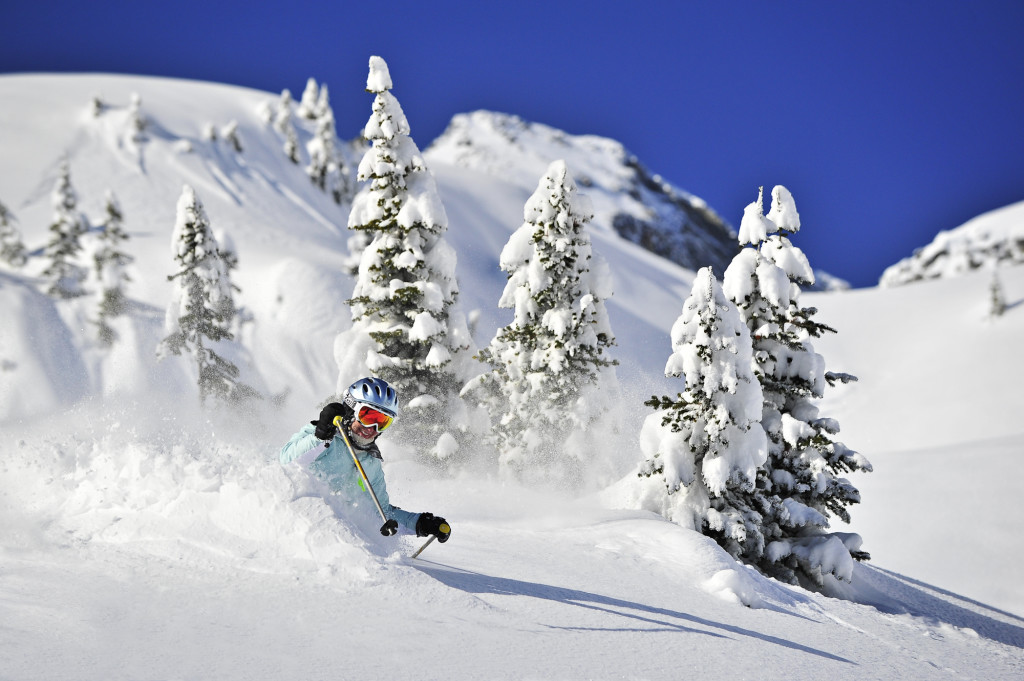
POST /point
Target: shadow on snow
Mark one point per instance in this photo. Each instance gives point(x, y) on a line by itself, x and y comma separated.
point(665, 620)
point(894, 593)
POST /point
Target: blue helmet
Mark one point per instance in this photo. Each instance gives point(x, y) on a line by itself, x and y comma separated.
point(375, 392)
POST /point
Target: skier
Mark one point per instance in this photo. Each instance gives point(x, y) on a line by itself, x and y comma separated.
point(368, 408)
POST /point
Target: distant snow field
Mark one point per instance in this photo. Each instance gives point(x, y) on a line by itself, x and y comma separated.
point(143, 537)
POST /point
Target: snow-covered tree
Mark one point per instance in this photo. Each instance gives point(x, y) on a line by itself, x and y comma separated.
point(323, 102)
point(703, 448)
point(230, 134)
point(64, 275)
point(229, 255)
point(110, 263)
point(326, 167)
point(283, 124)
point(12, 249)
point(997, 299)
point(97, 106)
point(265, 111)
point(551, 381)
point(200, 314)
point(801, 485)
point(308, 104)
point(407, 327)
point(136, 131)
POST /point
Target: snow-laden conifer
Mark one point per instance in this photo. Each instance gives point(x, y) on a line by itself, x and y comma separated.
point(230, 134)
point(308, 103)
point(801, 484)
point(64, 274)
point(407, 327)
point(327, 168)
point(202, 307)
point(110, 263)
point(136, 130)
point(283, 124)
point(96, 106)
point(323, 102)
point(997, 299)
point(703, 448)
point(12, 248)
point(551, 382)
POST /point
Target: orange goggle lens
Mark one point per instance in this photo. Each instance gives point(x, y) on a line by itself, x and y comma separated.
point(370, 417)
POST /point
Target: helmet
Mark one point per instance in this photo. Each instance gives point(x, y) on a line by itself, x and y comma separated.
point(375, 392)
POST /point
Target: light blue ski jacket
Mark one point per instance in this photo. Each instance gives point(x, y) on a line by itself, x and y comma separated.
point(332, 463)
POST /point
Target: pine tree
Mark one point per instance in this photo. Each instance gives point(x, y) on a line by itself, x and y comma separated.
point(97, 106)
point(283, 124)
point(326, 168)
point(136, 121)
point(110, 263)
point(550, 380)
point(323, 102)
point(202, 308)
point(404, 305)
point(703, 448)
point(801, 485)
point(308, 104)
point(997, 299)
point(65, 276)
point(230, 134)
point(12, 249)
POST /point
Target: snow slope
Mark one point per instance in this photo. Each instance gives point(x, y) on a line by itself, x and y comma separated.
point(937, 410)
point(144, 538)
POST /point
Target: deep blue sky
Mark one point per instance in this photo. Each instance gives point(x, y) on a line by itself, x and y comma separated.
point(889, 121)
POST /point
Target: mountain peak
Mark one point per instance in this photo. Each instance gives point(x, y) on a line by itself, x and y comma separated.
point(628, 199)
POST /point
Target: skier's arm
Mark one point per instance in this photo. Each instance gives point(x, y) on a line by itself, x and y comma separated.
point(307, 445)
point(304, 448)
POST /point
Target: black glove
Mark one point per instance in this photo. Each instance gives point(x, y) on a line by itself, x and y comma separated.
point(429, 524)
point(325, 428)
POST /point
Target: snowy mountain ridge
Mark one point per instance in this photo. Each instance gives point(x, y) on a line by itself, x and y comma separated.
point(145, 537)
point(627, 198)
point(995, 239)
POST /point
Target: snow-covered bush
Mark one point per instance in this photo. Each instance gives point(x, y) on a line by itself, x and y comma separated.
point(801, 485)
point(550, 381)
point(704, 447)
point(202, 307)
point(407, 327)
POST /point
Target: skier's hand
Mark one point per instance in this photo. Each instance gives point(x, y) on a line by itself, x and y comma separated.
point(429, 524)
point(325, 428)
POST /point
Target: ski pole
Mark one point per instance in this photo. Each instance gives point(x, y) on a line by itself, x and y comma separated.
point(390, 525)
point(425, 545)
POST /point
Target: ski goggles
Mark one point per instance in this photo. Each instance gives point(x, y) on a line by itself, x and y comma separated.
point(373, 418)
